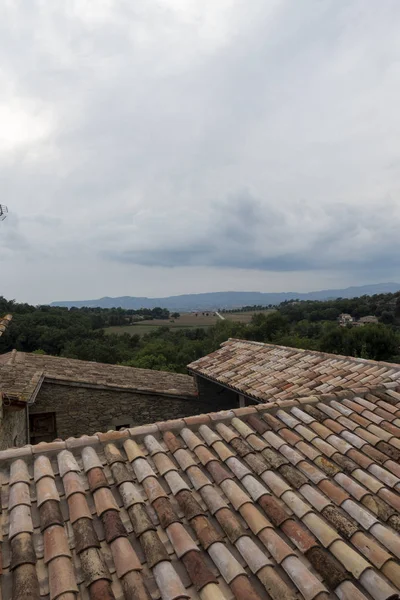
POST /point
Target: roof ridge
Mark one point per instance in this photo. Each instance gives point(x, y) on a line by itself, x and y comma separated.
point(193, 422)
point(315, 353)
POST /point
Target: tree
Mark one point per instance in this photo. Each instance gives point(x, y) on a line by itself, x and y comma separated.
point(387, 317)
point(267, 328)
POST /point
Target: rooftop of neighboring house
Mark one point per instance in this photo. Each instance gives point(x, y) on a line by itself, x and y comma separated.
point(261, 371)
point(369, 319)
point(20, 373)
point(4, 322)
point(289, 500)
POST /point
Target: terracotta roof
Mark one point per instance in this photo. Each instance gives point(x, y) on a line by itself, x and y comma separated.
point(21, 368)
point(4, 322)
point(287, 500)
point(262, 371)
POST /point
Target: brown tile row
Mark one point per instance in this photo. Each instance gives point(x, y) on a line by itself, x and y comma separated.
point(265, 569)
point(184, 546)
point(314, 523)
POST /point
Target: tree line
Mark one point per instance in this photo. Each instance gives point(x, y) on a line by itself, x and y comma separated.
point(79, 333)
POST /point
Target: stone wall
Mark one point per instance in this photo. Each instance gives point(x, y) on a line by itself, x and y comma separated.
point(85, 410)
point(215, 395)
point(12, 428)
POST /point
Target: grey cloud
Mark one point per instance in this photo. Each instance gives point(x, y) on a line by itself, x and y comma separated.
point(246, 233)
point(217, 136)
point(11, 239)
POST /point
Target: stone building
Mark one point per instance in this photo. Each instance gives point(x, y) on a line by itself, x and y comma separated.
point(13, 417)
point(47, 397)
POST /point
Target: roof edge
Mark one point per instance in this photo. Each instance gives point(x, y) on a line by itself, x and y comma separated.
point(160, 427)
point(122, 388)
point(390, 385)
point(192, 367)
point(353, 359)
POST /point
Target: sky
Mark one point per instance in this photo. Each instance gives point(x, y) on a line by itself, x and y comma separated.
point(182, 146)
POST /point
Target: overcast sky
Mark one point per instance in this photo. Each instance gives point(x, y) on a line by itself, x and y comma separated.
point(159, 147)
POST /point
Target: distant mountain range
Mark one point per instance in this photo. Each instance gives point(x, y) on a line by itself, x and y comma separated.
point(229, 300)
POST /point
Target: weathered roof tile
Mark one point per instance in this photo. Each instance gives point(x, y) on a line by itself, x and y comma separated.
point(72, 484)
point(324, 472)
point(19, 494)
point(326, 534)
point(19, 472)
point(56, 368)
point(55, 543)
point(42, 468)
point(180, 539)
point(377, 586)
point(168, 581)
point(309, 585)
point(104, 500)
point(46, 490)
point(78, 507)
point(124, 556)
point(20, 521)
point(61, 577)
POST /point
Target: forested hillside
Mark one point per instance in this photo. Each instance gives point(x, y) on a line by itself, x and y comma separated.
point(79, 333)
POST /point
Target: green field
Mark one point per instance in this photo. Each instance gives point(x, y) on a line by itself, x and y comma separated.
point(245, 317)
point(185, 321)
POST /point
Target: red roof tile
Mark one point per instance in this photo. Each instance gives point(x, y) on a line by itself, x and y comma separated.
point(262, 371)
point(306, 504)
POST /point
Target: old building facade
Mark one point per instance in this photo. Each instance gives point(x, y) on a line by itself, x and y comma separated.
point(46, 397)
point(13, 414)
point(67, 409)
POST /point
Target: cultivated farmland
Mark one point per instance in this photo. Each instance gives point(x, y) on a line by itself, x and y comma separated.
point(185, 321)
point(245, 317)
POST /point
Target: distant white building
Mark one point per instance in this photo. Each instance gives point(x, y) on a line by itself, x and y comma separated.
point(345, 319)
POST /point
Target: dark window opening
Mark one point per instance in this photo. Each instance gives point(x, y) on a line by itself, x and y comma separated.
point(42, 427)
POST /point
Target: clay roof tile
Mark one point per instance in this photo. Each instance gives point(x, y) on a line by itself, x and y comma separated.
point(323, 471)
